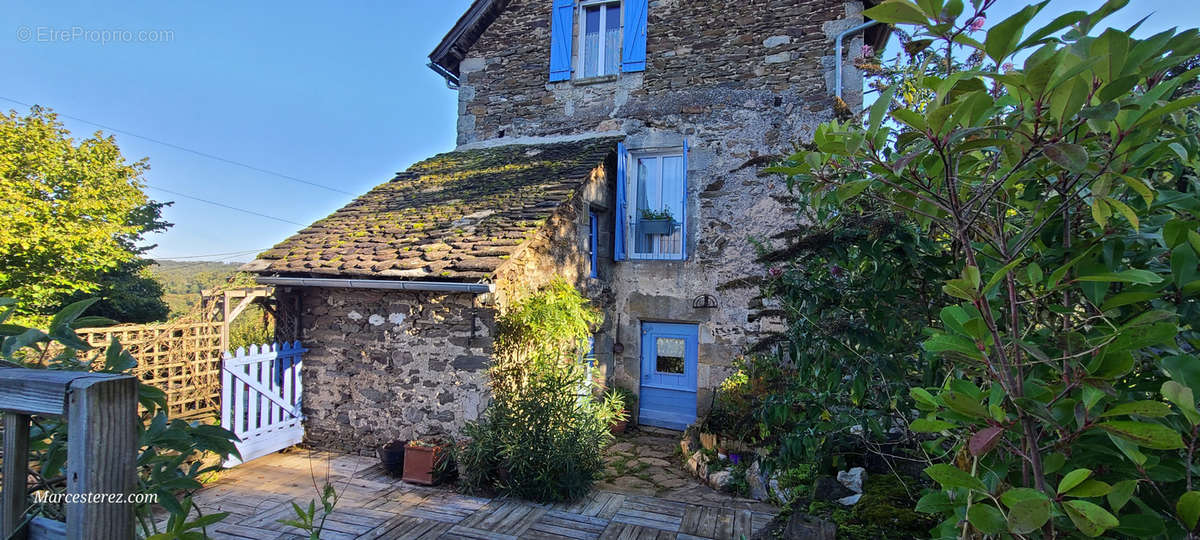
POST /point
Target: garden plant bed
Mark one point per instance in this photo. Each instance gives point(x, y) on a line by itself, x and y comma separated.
point(647, 461)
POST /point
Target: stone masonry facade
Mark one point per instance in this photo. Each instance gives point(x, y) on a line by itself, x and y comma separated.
point(743, 82)
point(387, 365)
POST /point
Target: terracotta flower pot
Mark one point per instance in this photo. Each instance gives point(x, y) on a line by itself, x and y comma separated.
point(619, 426)
point(419, 463)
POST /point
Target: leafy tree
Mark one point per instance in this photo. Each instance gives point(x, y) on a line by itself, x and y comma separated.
point(128, 294)
point(1066, 187)
point(74, 213)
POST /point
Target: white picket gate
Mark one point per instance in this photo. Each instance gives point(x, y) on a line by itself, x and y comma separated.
point(260, 398)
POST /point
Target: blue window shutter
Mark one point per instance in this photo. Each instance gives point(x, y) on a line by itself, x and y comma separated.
point(683, 217)
point(561, 26)
point(619, 218)
point(633, 50)
point(594, 243)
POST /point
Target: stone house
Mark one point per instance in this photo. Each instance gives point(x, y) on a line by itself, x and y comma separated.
point(615, 143)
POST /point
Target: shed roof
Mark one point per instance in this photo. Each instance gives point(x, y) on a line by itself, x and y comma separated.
point(455, 217)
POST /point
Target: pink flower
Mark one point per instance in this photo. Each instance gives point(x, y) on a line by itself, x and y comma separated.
point(1007, 67)
point(977, 23)
point(775, 271)
point(868, 51)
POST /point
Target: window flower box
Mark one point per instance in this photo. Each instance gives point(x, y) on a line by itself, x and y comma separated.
point(657, 226)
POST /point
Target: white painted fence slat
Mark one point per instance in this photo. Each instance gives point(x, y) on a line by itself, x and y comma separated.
point(261, 396)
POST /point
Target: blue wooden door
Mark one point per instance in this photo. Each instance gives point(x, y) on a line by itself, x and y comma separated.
point(668, 396)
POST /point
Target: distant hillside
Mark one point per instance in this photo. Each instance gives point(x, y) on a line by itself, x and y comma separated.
point(182, 281)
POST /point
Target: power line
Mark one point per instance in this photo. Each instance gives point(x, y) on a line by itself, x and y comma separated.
point(214, 203)
point(196, 152)
point(229, 253)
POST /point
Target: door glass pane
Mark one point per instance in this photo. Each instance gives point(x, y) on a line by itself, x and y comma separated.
point(591, 42)
point(670, 355)
point(612, 38)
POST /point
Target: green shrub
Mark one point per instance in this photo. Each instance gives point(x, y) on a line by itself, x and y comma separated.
point(1062, 168)
point(543, 435)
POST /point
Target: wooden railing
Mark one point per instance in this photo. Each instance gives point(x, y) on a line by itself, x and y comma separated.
point(101, 413)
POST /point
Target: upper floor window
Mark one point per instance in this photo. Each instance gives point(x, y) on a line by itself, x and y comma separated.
point(611, 38)
point(600, 38)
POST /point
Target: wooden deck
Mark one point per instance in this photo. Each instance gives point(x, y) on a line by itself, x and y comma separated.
point(377, 506)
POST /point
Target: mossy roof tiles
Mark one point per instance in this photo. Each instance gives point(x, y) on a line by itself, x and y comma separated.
point(455, 216)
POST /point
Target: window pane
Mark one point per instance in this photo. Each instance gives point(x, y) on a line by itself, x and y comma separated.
point(670, 355)
point(648, 200)
point(672, 199)
point(591, 42)
point(612, 38)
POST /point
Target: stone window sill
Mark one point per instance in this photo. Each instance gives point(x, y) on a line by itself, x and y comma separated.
point(586, 81)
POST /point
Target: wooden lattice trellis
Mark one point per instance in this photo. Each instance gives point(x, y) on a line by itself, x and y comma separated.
point(182, 358)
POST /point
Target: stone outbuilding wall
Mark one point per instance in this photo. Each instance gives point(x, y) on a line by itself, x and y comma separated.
point(385, 365)
point(743, 81)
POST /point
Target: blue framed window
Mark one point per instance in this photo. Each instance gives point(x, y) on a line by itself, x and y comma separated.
point(594, 243)
point(656, 205)
point(600, 37)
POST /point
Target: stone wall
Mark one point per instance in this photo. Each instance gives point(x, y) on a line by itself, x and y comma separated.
point(743, 81)
point(386, 365)
point(559, 249)
point(700, 55)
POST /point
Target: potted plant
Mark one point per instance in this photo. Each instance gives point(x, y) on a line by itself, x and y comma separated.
point(657, 222)
point(623, 401)
point(391, 455)
point(421, 458)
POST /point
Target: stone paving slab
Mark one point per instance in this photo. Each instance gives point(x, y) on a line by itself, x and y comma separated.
point(376, 506)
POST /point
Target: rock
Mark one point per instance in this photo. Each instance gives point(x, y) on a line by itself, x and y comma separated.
point(853, 479)
point(621, 447)
point(801, 526)
point(775, 41)
point(829, 489)
point(779, 493)
point(720, 480)
point(850, 500)
point(757, 482)
point(856, 430)
point(697, 463)
point(654, 462)
point(779, 58)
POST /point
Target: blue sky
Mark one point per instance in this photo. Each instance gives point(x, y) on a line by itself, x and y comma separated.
point(334, 94)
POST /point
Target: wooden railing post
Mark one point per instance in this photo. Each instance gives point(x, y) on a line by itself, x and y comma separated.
point(16, 474)
point(101, 456)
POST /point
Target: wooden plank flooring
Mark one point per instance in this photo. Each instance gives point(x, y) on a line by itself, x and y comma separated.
point(376, 506)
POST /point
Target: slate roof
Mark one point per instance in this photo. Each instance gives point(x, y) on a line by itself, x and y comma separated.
point(453, 217)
